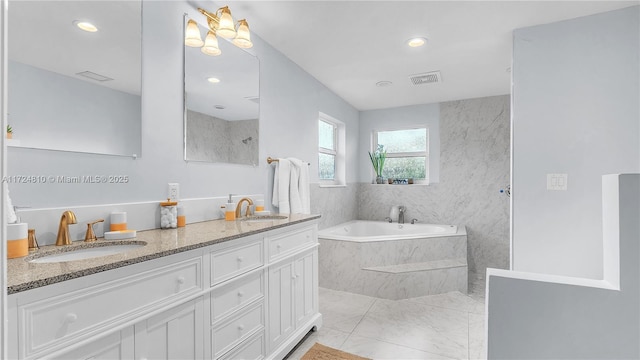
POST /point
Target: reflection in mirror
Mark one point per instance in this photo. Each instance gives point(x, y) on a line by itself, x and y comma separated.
point(221, 118)
point(72, 89)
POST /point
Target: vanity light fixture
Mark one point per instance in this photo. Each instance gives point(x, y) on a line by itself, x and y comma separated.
point(85, 25)
point(220, 23)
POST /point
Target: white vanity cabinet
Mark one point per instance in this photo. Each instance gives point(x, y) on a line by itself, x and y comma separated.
point(293, 287)
point(116, 346)
point(253, 297)
point(176, 333)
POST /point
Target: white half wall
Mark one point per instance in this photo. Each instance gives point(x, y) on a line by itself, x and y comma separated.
point(576, 112)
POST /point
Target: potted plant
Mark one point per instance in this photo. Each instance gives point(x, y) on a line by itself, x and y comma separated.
point(377, 160)
point(9, 132)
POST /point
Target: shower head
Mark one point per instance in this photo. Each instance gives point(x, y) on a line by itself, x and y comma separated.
point(247, 140)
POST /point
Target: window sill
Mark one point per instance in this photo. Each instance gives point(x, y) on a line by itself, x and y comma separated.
point(405, 185)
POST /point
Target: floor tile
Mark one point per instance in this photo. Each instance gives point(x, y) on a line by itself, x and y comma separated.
point(419, 326)
point(329, 337)
point(377, 349)
point(341, 310)
point(452, 300)
point(477, 340)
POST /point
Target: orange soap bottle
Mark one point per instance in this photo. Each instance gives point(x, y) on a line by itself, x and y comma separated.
point(229, 209)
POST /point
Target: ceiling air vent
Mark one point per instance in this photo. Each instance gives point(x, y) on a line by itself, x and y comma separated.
point(426, 78)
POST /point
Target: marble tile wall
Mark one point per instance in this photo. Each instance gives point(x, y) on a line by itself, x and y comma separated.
point(336, 204)
point(474, 166)
point(216, 140)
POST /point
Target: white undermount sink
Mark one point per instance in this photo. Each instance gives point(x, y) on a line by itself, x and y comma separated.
point(83, 253)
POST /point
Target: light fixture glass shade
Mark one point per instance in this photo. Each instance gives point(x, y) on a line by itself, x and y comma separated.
point(243, 39)
point(226, 26)
point(192, 35)
point(211, 45)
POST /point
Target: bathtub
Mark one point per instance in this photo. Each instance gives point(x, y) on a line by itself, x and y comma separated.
point(363, 231)
point(393, 261)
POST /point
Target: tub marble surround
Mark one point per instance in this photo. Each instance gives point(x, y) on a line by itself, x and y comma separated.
point(336, 204)
point(395, 269)
point(474, 166)
point(22, 275)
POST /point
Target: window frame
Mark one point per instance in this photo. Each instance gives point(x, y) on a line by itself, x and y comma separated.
point(338, 152)
point(405, 154)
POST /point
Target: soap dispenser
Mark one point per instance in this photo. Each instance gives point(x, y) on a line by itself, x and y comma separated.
point(229, 209)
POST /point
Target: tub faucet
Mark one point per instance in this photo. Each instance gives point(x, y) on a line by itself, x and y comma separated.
point(401, 210)
point(68, 217)
point(388, 219)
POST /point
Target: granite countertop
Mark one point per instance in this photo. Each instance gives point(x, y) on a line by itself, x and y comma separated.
point(23, 275)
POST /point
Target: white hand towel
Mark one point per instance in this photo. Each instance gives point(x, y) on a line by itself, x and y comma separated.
point(301, 202)
point(281, 185)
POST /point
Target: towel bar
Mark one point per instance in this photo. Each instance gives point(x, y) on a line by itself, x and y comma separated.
point(270, 160)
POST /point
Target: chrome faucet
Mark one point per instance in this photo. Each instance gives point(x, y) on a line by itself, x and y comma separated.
point(68, 217)
point(388, 219)
point(401, 210)
point(239, 207)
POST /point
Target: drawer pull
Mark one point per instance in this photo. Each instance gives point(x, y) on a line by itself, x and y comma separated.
point(240, 327)
point(70, 318)
point(180, 280)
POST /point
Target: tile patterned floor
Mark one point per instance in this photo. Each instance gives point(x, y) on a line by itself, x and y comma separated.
point(445, 326)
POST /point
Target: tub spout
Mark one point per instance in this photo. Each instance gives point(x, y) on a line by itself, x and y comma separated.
point(401, 210)
point(388, 219)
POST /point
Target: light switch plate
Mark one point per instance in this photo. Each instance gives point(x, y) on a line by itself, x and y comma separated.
point(174, 190)
point(557, 182)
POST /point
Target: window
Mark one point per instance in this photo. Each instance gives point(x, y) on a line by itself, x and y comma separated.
point(330, 151)
point(407, 153)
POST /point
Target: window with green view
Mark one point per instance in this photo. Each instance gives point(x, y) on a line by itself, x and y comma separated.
point(407, 153)
point(327, 139)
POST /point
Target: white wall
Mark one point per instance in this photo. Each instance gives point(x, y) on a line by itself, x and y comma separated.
point(407, 116)
point(54, 111)
point(290, 102)
point(575, 111)
point(540, 316)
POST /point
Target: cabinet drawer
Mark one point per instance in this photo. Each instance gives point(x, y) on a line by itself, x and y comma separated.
point(228, 263)
point(230, 298)
point(90, 311)
point(237, 329)
point(251, 349)
point(286, 244)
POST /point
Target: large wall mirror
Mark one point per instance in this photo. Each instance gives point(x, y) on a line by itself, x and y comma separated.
point(72, 89)
point(221, 116)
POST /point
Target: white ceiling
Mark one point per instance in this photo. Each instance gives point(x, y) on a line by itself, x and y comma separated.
point(42, 34)
point(350, 45)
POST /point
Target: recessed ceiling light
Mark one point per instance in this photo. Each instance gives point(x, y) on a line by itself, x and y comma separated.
point(213, 80)
point(85, 25)
point(416, 42)
point(384, 83)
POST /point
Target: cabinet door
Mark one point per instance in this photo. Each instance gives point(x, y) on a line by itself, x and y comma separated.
point(281, 317)
point(177, 333)
point(119, 345)
point(305, 287)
